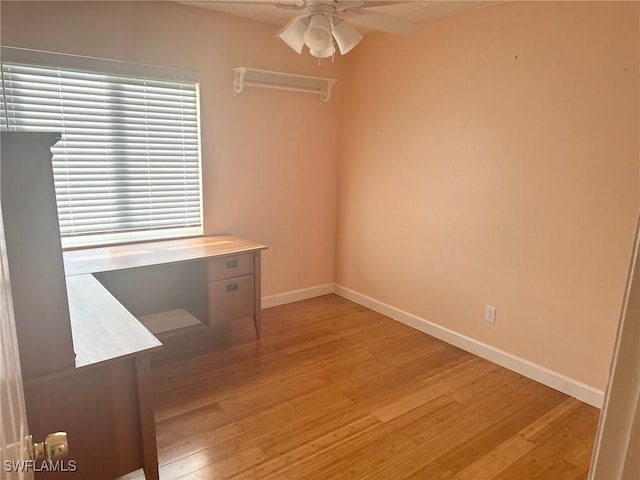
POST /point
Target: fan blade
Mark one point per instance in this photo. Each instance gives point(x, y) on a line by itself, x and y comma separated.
point(347, 4)
point(382, 22)
point(355, 4)
point(286, 4)
point(250, 2)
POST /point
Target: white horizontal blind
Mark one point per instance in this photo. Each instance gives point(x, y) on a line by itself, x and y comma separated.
point(128, 164)
point(3, 115)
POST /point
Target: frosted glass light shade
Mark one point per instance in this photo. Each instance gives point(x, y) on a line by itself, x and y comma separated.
point(346, 36)
point(318, 34)
point(327, 52)
point(293, 33)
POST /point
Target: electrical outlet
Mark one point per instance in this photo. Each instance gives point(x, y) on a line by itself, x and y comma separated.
point(490, 314)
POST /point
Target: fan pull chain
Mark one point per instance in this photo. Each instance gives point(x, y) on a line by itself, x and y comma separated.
point(333, 59)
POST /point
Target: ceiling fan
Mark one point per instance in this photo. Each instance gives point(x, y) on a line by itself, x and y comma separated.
point(322, 21)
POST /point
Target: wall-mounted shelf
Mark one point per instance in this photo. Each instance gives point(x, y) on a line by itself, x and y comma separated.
point(253, 77)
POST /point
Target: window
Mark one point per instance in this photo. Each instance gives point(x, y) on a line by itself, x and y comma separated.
point(128, 165)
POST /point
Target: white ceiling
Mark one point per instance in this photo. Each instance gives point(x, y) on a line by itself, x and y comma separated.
point(413, 11)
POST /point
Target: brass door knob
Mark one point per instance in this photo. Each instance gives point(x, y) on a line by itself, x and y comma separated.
point(54, 447)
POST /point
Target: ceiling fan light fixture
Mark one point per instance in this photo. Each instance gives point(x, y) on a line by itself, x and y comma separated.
point(346, 36)
point(318, 35)
point(328, 52)
point(293, 33)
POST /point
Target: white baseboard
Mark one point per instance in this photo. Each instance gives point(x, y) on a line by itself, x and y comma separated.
point(296, 295)
point(555, 380)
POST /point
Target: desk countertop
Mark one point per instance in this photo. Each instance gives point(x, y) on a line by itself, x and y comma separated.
point(102, 328)
point(119, 257)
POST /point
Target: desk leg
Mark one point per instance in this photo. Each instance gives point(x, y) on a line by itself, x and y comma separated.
point(147, 421)
point(257, 307)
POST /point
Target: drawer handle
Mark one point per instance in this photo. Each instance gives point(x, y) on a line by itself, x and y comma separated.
point(232, 287)
point(231, 264)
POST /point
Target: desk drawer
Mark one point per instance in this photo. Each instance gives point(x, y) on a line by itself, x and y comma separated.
point(231, 299)
point(230, 266)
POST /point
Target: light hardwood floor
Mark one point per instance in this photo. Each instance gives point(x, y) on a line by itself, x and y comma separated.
point(336, 391)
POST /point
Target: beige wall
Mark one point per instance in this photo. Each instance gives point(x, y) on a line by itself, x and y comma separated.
point(269, 157)
point(494, 159)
